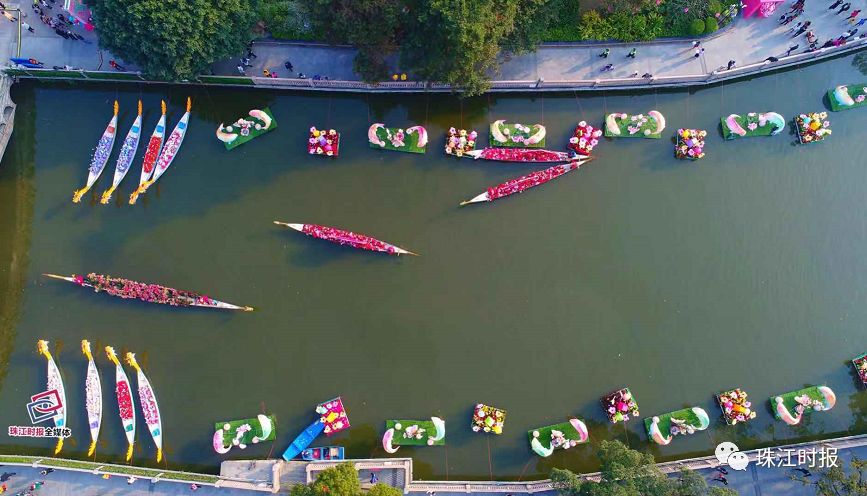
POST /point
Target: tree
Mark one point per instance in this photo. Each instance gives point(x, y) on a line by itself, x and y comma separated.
point(341, 480)
point(835, 482)
point(383, 490)
point(173, 40)
point(533, 19)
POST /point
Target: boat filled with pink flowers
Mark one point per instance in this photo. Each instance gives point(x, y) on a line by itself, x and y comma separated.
point(460, 141)
point(349, 238)
point(584, 139)
point(525, 182)
point(736, 409)
point(690, 144)
point(860, 364)
point(322, 142)
point(619, 405)
point(812, 127)
point(519, 155)
point(488, 419)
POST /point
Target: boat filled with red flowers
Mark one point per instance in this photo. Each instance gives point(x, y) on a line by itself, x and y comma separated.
point(584, 139)
point(151, 293)
point(525, 182)
point(342, 237)
point(519, 155)
point(460, 141)
point(322, 142)
point(812, 127)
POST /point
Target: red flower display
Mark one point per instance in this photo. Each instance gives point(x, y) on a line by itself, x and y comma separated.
point(152, 153)
point(352, 239)
point(153, 293)
point(523, 155)
point(124, 400)
point(531, 180)
point(584, 139)
point(322, 142)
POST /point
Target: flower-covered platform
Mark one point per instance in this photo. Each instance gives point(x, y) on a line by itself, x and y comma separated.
point(753, 124)
point(322, 142)
point(690, 144)
point(488, 419)
point(243, 129)
point(661, 429)
point(242, 432)
point(333, 415)
point(544, 440)
point(619, 125)
point(584, 138)
point(411, 140)
point(460, 141)
point(847, 97)
point(413, 433)
point(735, 406)
point(619, 405)
point(790, 407)
point(517, 135)
point(812, 127)
point(860, 364)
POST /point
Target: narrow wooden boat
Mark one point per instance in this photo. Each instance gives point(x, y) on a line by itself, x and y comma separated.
point(525, 182)
point(167, 156)
point(55, 382)
point(125, 403)
point(100, 155)
point(324, 453)
point(92, 397)
point(125, 157)
point(149, 406)
point(519, 155)
point(341, 237)
point(152, 153)
point(151, 293)
point(303, 440)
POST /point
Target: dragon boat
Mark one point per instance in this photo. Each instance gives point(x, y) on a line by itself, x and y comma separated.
point(516, 135)
point(689, 144)
point(488, 419)
point(460, 141)
point(125, 403)
point(348, 238)
point(812, 127)
point(152, 153)
point(752, 124)
point(322, 142)
point(620, 125)
point(860, 364)
point(92, 397)
point(519, 155)
point(791, 407)
point(845, 97)
point(244, 130)
point(151, 293)
point(125, 157)
point(243, 432)
point(413, 433)
point(619, 405)
point(565, 435)
point(167, 155)
point(525, 182)
point(100, 155)
point(411, 140)
point(661, 429)
point(332, 419)
point(54, 383)
point(735, 406)
point(149, 407)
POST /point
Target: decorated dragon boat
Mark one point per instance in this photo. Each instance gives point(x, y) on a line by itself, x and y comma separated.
point(243, 432)
point(516, 135)
point(790, 407)
point(332, 419)
point(168, 154)
point(54, 383)
point(152, 153)
point(584, 138)
point(752, 124)
point(661, 429)
point(413, 433)
point(860, 364)
point(348, 238)
point(565, 435)
point(460, 141)
point(812, 127)
point(322, 142)
point(125, 403)
point(125, 157)
point(100, 155)
point(519, 155)
point(690, 144)
point(244, 130)
point(735, 406)
point(149, 407)
point(488, 419)
point(411, 140)
point(525, 182)
point(619, 125)
point(92, 397)
point(151, 293)
point(619, 405)
point(847, 97)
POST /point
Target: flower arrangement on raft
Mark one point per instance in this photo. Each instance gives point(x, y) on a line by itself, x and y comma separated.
point(662, 429)
point(860, 364)
point(790, 407)
point(488, 419)
point(620, 125)
point(813, 127)
point(845, 97)
point(333, 415)
point(584, 139)
point(619, 405)
point(735, 406)
point(413, 433)
point(544, 440)
point(517, 135)
point(322, 142)
point(243, 130)
point(752, 124)
point(459, 142)
point(240, 433)
point(412, 140)
point(690, 144)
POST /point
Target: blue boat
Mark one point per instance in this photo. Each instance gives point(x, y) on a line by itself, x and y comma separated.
point(322, 453)
point(29, 63)
point(303, 440)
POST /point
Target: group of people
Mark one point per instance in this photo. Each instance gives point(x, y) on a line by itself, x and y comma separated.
point(6, 476)
point(61, 25)
point(804, 28)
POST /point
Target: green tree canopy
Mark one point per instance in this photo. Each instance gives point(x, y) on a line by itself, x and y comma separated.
point(341, 480)
point(173, 39)
point(836, 482)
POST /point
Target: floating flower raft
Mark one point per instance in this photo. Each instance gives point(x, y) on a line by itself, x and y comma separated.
point(242, 432)
point(333, 415)
point(517, 135)
point(525, 182)
point(243, 130)
point(847, 97)
point(753, 124)
point(322, 142)
point(663, 428)
point(459, 142)
point(413, 433)
point(619, 405)
point(619, 125)
point(544, 440)
point(584, 139)
point(860, 364)
point(488, 419)
point(735, 407)
point(411, 140)
point(790, 407)
point(690, 144)
point(349, 238)
point(812, 127)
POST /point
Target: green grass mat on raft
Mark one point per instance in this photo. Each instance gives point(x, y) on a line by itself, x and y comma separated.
point(566, 428)
point(854, 91)
point(686, 414)
point(398, 439)
point(744, 121)
point(649, 128)
point(509, 130)
point(789, 399)
point(254, 133)
point(229, 435)
point(410, 140)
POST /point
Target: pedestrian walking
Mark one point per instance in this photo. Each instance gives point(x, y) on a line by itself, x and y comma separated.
point(266, 73)
point(698, 52)
point(853, 15)
point(804, 472)
point(605, 53)
point(246, 62)
point(851, 33)
point(250, 53)
point(861, 22)
point(795, 27)
point(804, 27)
point(27, 27)
point(696, 44)
point(3, 488)
point(632, 53)
point(791, 49)
point(607, 68)
point(46, 471)
point(647, 75)
point(373, 478)
point(7, 475)
point(731, 65)
point(130, 480)
point(194, 487)
point(273, 75)
point(843, 8)
point(634, 74)
point(835, 4)
point(722, 479)
point(241, 70)
point(301, 75)
point(288, 66)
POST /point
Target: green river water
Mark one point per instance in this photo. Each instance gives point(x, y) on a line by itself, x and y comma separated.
point(677, 279)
